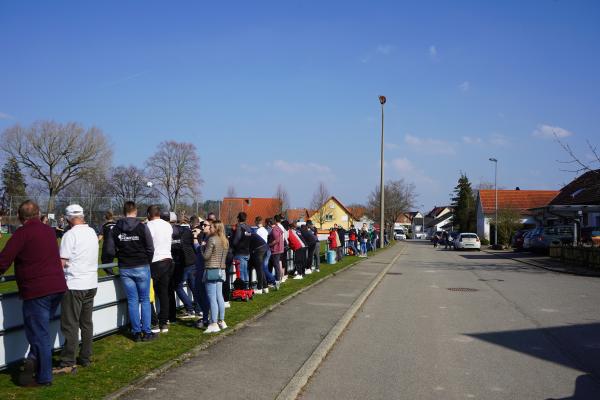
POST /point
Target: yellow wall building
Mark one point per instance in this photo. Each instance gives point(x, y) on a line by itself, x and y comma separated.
point(330, 213)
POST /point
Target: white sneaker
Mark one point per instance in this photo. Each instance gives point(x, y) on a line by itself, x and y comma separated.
point(222, 325)
point(227, 304)
point(308, 272)
point(298, 277)
point(258, 291)
point(266, 290)
point(212, 328)
point(284, 278)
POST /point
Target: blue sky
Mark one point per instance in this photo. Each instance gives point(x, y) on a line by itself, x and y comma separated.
point(286, 92)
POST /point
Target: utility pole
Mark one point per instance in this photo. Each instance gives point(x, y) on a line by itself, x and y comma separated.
point(382, 101)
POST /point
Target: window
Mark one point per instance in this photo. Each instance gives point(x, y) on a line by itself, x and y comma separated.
point(328, 217)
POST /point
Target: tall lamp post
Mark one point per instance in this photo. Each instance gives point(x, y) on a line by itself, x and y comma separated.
point(382, 101)
point(495, 161)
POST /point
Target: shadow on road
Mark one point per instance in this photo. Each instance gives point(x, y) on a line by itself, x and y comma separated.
point(575, 346)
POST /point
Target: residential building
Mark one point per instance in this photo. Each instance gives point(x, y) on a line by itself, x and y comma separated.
point(331, 213)
point(252, 206)
point(521, 201)
point(438, 219)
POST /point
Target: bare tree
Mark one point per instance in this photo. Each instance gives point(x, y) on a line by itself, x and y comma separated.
point(231, 192)
point(399, 198)
point(576, 163)
point(284, 199)
point(57, 154)
point(128, 183)
point(175, 171)
point(93, 193)
point(319, 198)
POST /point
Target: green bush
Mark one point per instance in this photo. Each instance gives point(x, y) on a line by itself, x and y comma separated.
point(485, 242)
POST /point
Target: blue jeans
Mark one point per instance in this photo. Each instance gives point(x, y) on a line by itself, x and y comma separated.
point(352, 245)
point(200, 293)
point(243, 267)
point(186, 277)
point(363, 247)
point(268, 275)
point(36, 317)
point(214, 291)
point(137, 286)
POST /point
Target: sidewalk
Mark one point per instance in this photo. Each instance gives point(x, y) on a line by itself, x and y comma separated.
point(545, 262)
point(260, 359)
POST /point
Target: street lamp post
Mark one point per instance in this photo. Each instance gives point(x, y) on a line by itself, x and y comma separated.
point(495, 161)
point(382, 101)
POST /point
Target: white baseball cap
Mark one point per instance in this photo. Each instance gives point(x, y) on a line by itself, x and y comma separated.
point(74, 210)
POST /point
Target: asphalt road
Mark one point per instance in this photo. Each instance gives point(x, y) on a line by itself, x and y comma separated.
point(517, 332)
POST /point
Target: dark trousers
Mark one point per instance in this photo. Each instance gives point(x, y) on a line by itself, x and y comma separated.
point(36, 317)
point(161, 272)
point(317, 255)
point(200, 293)
point(300, 260)
point(274, 262)
point(257, 259)
point(311, 255)
point(75, 314)
point(339, 253)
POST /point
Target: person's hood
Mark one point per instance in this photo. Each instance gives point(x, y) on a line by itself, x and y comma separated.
point(127, 224)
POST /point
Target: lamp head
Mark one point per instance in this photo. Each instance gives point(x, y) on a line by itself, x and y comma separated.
point(493, 160)
point(382, 100)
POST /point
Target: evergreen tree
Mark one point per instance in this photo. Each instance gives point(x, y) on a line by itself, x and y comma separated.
point(13, 183)
point(463, 204)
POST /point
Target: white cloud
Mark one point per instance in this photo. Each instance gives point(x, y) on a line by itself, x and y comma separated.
point(465, 86)
point(406, 169)
point(499, 140)
point(5, 116)
point(472, 140)
point(433, 52)
point(296, 167)
point(550, 132)
point(428, 145)
point(392, 146)
point(385, 49)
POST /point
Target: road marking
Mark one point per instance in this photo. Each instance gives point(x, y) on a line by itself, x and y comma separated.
point(549, 310)
point(301, 377)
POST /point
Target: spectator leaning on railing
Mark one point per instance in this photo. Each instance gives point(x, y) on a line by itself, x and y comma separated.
point(41, 283)
point(79, 256)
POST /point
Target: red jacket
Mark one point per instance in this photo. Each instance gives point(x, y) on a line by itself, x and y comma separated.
point(34, 251)
point(333, 240)
point(294, 240)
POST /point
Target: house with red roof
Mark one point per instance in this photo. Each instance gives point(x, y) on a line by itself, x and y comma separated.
point(520, 200)
point(252, 206)
point(576, 203)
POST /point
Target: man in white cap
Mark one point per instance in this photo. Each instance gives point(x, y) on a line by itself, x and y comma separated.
point(79, 256)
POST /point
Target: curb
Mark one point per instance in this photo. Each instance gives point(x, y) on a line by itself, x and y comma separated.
point(201, 347)
point(300, 379)
point(592, 274)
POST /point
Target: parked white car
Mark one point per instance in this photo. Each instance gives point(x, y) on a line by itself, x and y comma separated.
point(399, 234)
point(467, 241)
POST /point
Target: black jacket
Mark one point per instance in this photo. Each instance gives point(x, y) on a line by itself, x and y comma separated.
point(309, 237)
point(241, 240)
point(342, 234)
point(106, 232)
point(187, 245)
point(130, 241)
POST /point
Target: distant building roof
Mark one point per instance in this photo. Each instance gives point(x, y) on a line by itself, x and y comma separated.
point(357, 212)
point(295, 214)
point(520, 200)
point(437, 211)
point(583, 190)
point(252, 206)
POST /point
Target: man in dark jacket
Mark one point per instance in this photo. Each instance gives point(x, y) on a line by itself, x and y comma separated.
point(342, 234)
point(241, 247)
point(106, 232)
point(258, 249)
point(41, 283)
point(132, 244)
point(311, 243)
point(184, 258)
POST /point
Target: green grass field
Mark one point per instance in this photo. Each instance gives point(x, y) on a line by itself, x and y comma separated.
point(118, 361)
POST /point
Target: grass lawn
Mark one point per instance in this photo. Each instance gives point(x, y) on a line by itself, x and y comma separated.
point(118, 361)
